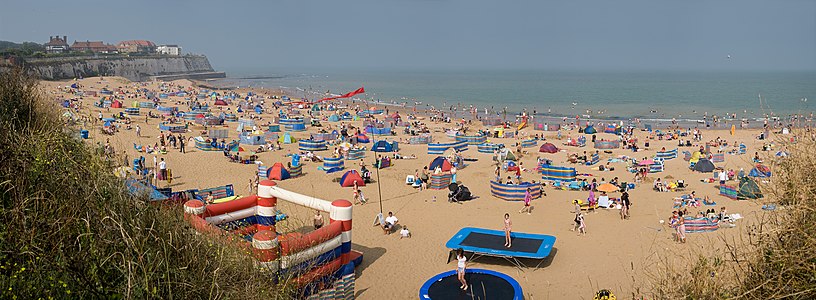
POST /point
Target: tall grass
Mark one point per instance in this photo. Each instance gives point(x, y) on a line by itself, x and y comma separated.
point(775, 258)
point(69, 229)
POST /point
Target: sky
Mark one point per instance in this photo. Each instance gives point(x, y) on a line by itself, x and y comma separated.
point(263, 36)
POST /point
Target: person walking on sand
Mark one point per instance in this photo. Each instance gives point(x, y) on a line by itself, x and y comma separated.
point(528, 197)
point(625, 203)
point(461, 265)
point(681, 227)
point(581, 225)
point(508, 242)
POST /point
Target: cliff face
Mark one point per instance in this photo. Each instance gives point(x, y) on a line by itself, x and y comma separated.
point(133, 68)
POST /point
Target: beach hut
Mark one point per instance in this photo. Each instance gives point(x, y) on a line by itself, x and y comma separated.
point(590, 130)
point(312, 145)
point(277, 172)
point(384, 146)
point(286, 138)
point(362, 138)
point(548, 148)
point(350, 177)
point(440, 162)
point(704, 165)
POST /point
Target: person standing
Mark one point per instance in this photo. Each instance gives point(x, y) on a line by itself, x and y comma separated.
point(508, 242)
point(138, 131)
point(461, 266)
point(163, 169)
point(181, 143)
point(681, 227)
point(528, 197)
point(625, 203)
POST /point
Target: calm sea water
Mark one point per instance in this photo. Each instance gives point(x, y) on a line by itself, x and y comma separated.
point(683, 95)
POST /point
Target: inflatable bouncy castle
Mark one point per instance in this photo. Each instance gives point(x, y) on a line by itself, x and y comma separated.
point(319, 262)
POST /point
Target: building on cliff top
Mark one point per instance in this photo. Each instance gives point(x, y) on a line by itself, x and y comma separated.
point(169, 50)
point(56, 44)
point(136, 46)
point(95, 47)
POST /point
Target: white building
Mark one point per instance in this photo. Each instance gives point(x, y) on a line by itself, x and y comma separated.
point(168, 49)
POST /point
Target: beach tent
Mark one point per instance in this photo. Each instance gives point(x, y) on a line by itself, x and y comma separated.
point(220, 102)
point(704, 165)
point(590, 130)
point(383, 146)
point(506, 154)
point(277, 172)
point(350, 177)
point(315, 107)
point(748, 189)
point(286, 138)
point(760, 171)
point(362, 138)
point(116, 104)
point(548, 148)
point(440, 162)
point(334, 118)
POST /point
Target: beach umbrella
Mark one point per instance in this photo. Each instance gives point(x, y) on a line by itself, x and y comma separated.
point(607, 187)
point(646, 162)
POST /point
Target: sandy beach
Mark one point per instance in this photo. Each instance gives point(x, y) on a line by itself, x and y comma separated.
point(615, 254)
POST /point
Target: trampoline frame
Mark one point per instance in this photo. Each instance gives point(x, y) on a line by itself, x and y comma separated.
point(425, 289)
point(455, 243)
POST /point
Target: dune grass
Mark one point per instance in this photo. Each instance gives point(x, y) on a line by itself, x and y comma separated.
point(775, 258)
point(69, 229)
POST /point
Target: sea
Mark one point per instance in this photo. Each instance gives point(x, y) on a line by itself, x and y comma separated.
point(664, 95)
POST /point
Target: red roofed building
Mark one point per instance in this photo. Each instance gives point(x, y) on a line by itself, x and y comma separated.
point(136, 46)
point(96, 47)
point(56, 44)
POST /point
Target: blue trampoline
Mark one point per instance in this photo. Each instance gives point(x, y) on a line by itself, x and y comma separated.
point(482, 284)
point(489, 242)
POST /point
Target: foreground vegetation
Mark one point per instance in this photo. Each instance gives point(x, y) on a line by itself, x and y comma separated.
point(775, 258)
point(69, 229)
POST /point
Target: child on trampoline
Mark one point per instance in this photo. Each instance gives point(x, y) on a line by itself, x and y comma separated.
point(507, 227)
point(460, 268)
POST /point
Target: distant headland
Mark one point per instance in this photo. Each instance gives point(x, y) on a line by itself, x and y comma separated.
point(137, 60)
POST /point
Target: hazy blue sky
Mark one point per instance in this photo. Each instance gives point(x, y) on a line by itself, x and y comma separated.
point(303, 34)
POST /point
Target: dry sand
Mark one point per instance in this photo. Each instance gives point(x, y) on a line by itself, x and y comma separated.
point(615, 254)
